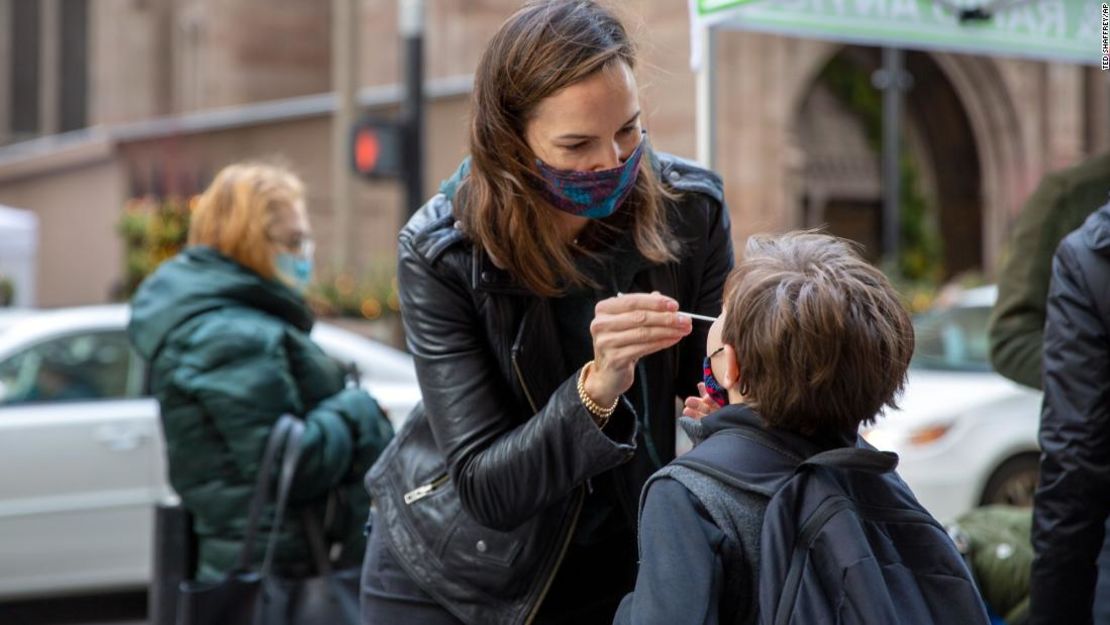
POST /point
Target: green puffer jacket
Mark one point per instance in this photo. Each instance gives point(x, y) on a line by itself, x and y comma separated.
point(996, 542)
point(229, 353)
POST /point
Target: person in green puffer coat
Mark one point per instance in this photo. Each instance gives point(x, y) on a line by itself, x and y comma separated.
point(224, 328)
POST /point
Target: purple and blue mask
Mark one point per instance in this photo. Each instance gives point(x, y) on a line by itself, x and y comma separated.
point(592, 194)
point(716, 392)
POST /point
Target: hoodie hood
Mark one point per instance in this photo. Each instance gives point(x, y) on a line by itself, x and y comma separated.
point(730, 416)
point(450, 186)
point(1096, 230)
point(200, 280)
point(743, 416)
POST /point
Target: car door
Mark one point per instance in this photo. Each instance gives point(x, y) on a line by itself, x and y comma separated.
point(78, 471)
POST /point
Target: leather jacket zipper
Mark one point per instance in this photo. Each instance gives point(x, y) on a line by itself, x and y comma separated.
point(579, 500)
point(520, 378)
point(421, 492)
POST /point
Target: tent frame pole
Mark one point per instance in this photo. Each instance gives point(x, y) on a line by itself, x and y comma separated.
point(706, 113)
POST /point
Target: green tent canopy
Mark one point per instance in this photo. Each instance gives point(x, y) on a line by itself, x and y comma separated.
point(1051, 30)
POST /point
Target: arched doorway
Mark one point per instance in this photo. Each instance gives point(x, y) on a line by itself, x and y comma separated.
point(838, 131)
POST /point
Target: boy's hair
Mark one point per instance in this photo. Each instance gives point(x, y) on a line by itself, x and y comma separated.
point(822, 340)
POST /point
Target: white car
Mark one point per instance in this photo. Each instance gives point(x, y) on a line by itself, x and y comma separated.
point(965, 435)
point(82, 462)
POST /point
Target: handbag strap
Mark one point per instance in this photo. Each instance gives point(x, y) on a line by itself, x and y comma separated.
point(315, 535)
point(323, 566)
point(316, 542)
point(261, 495)
point(285, 482)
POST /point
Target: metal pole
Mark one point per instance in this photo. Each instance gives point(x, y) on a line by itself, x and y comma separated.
point(706, 117)
point(344, 49)
point(892, 84)
point(412, 112)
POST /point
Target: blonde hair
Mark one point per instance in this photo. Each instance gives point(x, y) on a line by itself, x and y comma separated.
point(234, 214)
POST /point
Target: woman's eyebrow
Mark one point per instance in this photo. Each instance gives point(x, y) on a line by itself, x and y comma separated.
point(578, 137)
point(631, 119)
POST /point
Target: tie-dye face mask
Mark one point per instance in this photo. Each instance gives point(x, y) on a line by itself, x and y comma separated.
point(592, 194)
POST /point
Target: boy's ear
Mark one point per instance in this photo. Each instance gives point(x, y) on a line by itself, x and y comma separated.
point(731, 371)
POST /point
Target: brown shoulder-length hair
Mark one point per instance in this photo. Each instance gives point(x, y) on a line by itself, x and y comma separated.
point(546, 46)
point(821, 336)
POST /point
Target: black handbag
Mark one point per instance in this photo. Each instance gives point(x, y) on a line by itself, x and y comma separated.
point(175, 552)
point(250, 596)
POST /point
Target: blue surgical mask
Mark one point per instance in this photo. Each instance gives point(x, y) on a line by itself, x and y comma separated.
point(296, 268)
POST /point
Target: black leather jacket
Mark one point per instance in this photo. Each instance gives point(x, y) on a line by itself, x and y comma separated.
point(480, 491)
point(1071, 504)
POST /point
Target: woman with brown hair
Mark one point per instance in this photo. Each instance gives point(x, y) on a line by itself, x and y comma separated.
point(541, 293)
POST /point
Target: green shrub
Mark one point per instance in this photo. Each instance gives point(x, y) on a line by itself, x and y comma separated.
point(153, 231)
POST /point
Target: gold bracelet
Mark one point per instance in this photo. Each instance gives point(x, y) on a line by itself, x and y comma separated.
point(595, 409)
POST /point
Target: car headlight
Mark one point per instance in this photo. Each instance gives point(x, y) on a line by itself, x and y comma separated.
point(929, 434)
point(893, 439)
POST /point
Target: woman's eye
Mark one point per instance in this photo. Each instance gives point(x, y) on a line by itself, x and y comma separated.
point(576, 146)
point(627, 130)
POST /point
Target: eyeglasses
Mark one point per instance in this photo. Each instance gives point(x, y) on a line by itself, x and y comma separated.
point(301, 246)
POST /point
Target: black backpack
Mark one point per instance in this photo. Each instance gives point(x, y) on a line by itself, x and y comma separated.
point(844, 541)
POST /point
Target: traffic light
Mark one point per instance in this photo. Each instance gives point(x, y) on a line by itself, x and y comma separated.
point(376, 148)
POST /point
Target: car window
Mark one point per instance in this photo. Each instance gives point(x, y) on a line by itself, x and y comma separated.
point(953, 339)
point(78, 367)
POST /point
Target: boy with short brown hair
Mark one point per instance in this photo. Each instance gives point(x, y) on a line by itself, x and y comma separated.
point(813, 342)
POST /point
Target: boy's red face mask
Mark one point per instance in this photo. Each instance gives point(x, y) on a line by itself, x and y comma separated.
point(716, 392)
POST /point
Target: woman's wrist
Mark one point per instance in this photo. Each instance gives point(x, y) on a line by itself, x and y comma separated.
point(599, 404)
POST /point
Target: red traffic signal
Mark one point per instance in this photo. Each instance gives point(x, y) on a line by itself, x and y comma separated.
point(367, 150)
point(375, 148)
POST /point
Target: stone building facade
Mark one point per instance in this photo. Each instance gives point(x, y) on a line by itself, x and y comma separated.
point(174, 89)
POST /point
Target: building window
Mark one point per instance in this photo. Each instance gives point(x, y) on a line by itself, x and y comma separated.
point(41, 33)
point(74, 71)
point(24, 70)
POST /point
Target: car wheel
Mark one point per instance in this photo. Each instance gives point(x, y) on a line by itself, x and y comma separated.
point(1014, 482)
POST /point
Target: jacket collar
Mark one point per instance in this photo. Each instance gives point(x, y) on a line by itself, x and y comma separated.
point(1096, 230)
point(200, 280)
